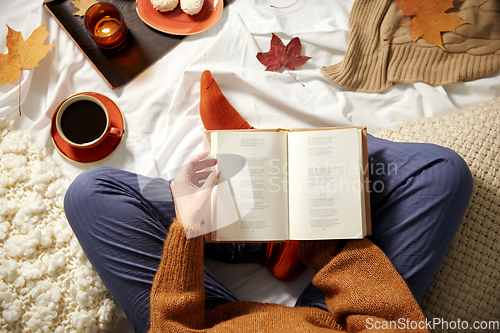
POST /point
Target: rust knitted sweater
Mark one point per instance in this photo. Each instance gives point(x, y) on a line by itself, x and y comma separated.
point(362, 290)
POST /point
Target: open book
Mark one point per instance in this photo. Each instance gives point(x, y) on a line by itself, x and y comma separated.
point(299, 184)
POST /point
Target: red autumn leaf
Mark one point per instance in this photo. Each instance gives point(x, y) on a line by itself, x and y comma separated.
point(280, 56)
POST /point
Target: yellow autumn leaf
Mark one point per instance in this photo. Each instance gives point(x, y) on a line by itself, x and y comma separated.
point(22, 54)
point(82, 6)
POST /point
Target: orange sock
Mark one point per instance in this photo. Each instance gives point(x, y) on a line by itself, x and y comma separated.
point(282, 259)
point(215, 111)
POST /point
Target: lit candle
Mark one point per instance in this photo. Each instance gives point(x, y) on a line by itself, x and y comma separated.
point(106, 26)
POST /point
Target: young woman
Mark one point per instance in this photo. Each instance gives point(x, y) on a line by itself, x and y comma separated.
point(144, 244)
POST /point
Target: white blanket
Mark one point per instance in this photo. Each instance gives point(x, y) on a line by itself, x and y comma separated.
point(161, 105)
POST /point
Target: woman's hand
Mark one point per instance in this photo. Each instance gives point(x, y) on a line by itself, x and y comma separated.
point(191, 194)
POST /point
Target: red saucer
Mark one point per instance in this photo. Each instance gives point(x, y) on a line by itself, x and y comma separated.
point(100, 151)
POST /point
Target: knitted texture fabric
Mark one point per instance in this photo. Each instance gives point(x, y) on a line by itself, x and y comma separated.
point(467, 285)
point(381, 52)
point(46, 281)
point(362, 290)
point(215, 110)
point(282, 260)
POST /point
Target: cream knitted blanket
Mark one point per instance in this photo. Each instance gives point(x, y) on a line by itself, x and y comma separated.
point(467, 285)
point(46, 282)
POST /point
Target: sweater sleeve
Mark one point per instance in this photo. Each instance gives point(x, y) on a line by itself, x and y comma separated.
point(178, 292)
point(363, 291)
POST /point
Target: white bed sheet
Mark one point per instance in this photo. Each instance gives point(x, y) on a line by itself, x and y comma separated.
point(161, 105)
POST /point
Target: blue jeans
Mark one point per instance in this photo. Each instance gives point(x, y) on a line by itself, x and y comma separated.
point(419, 194)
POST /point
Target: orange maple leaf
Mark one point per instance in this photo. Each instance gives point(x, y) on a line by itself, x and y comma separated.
point(82, 6)
point(429, 19)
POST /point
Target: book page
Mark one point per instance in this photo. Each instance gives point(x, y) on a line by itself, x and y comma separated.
point(326, 184)
point(251, 198)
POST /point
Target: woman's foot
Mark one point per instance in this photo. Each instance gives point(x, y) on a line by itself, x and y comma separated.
point(215, 111)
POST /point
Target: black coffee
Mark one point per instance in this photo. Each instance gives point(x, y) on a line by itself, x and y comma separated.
point(83, 121)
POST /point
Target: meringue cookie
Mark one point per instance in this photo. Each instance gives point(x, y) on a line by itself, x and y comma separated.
point(191, 7)
point(164, 5)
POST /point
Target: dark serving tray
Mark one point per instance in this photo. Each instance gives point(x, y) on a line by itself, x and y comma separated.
point(145, 45)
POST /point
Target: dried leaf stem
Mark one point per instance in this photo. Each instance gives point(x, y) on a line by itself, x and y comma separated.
point(303, 85)
point(278, 7)
point(20, 81)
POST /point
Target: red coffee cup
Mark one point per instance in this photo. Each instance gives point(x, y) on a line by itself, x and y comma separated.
point(83, 122)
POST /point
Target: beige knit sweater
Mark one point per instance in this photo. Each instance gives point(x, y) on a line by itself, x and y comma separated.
point(381, 53)
point(362, 289)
